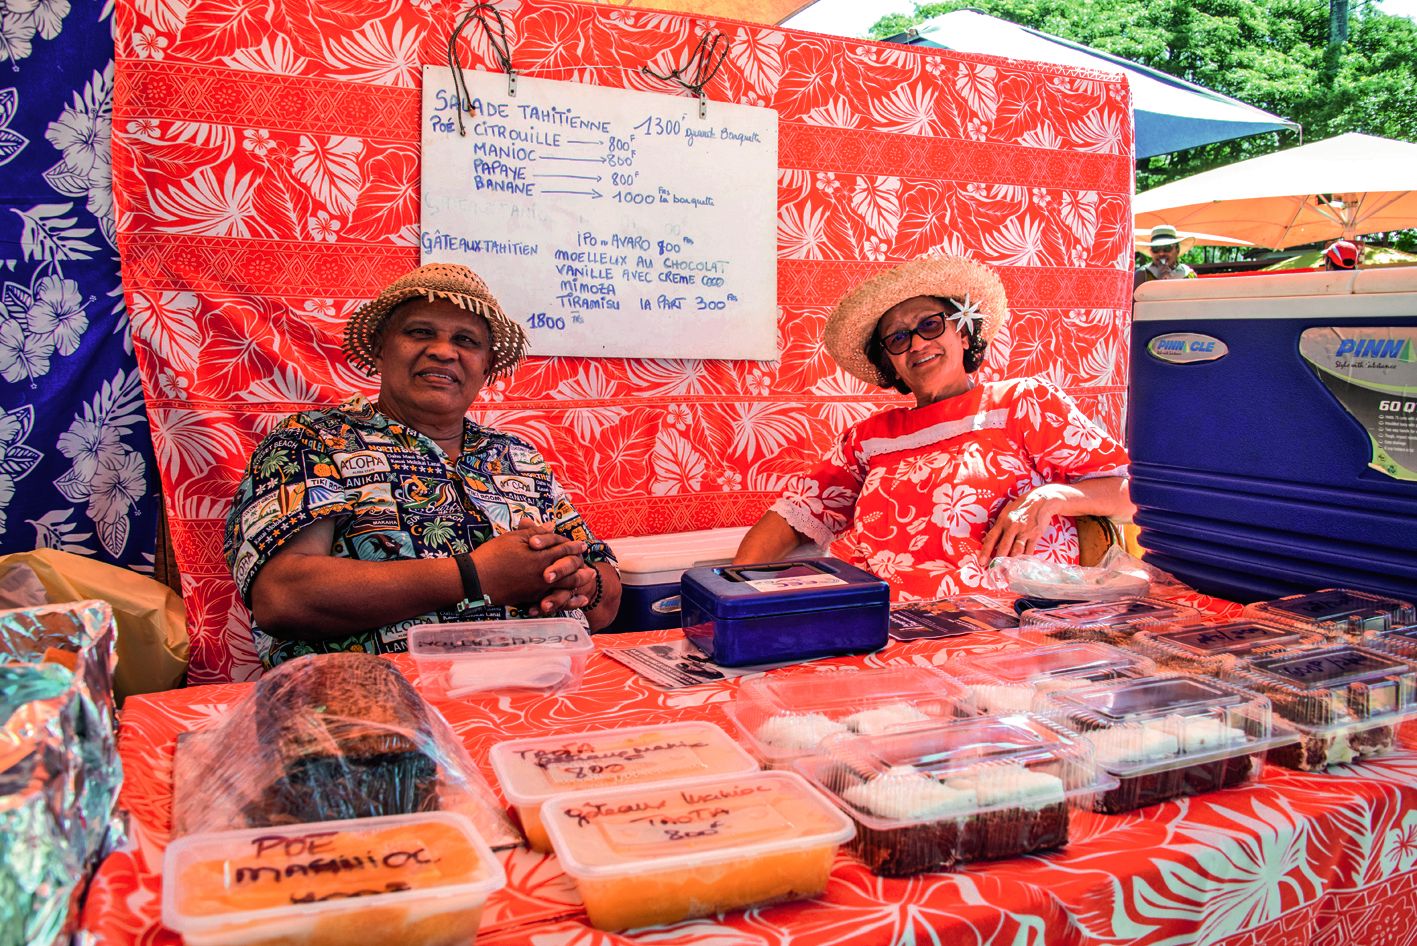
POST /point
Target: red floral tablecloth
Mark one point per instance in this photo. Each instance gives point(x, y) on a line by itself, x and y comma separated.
point(1294, 858)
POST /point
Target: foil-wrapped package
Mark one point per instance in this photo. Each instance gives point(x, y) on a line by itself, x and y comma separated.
point(59, 768)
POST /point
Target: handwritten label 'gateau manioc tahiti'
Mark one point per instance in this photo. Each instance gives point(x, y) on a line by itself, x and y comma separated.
point(730, 814)
point(294, 867)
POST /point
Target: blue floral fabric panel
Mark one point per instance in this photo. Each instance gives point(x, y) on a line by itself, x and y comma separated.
point(76, 456)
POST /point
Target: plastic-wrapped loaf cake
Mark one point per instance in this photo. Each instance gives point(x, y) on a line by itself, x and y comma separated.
point(1012, 681)
point(1105, 622)
point(678, 850)
point(532, 770)
point(1167, 736)
point(328, 737)
point(785, 716)
point(1344, 701)
point(1212, 647)
point(346, 736)
point(954, 791)
point(416, 880)
point(1337, 612)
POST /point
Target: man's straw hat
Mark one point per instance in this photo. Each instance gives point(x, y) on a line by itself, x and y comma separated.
point(853, 321)
point(457, 284)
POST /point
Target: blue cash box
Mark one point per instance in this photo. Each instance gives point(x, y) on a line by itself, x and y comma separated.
point(796, 610)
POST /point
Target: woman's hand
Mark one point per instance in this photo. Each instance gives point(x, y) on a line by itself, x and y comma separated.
point(1022, 521)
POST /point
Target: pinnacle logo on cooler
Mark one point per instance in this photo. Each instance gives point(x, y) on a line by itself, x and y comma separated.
point(1388, 349)
point(1183, 348)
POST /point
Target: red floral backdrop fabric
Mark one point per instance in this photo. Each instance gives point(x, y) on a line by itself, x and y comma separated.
point(266, 168)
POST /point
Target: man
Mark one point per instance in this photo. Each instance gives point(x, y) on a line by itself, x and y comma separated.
point(1342, 255)
point(354, 523)
point(1165, 258)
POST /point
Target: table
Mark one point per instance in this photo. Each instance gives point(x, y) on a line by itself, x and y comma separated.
point(1294, 859)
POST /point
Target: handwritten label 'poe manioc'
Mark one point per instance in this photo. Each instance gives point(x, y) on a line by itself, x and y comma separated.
point(612, 223)
point(1225, 640)
point(617, 760)
point(327, 865)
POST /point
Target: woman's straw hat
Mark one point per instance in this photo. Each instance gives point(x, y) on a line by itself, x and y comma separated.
point(458, 285)
point(853, 321)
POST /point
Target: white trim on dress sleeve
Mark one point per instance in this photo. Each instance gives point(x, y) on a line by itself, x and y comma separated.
point(803, 521)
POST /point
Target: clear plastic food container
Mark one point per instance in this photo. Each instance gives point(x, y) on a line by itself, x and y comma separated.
point(1169, 735)
point(1012, 681)
point(785, 716)
point(408, 879)
point(1212, 647)
point(954, 791)
point(1337, 611)
point(678, 850)
point(1106, 622)
point(532, 770)
point(455, 661)
point(1401, 641)
point(1345, 701)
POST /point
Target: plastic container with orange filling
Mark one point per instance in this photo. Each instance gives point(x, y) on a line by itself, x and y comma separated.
point(532, 770)
point(678, 850)
point(416, 880)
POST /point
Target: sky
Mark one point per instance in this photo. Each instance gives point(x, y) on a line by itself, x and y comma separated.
point(855, 17)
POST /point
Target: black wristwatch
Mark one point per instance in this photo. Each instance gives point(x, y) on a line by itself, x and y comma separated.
point(472, 594)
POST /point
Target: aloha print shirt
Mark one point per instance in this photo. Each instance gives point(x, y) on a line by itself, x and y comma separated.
point(393, 495)
point(908, 494)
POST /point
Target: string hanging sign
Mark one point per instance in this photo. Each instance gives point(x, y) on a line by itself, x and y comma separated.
point(614, 223)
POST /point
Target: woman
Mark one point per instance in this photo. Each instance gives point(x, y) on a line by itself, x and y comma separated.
point(925, 496)
point(355, 523)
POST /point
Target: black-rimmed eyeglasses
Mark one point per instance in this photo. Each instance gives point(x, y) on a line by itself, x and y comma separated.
point(932, 326)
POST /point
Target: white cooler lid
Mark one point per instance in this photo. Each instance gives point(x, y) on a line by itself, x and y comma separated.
point(655, 559)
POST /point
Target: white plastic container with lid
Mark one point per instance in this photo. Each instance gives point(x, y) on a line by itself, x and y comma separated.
point(786, 716)
point(1012, 681)
point(1344, 700)
point(1337, 611)
point(678, 850)
point(650, 567)
point(1213, 646)
point(455, 661)
point(410, 879)
point(532, 770)
point(1169, 735)
point(953, 791)
point(1106, 622)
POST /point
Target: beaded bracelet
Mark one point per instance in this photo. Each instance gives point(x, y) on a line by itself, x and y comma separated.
point(599, 591)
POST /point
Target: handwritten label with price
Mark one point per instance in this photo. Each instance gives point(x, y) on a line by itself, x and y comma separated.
point(609, 222)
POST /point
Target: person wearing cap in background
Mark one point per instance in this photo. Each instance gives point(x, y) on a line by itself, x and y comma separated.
point(1342, 254)
point(925, 496)
point(356, 522)
point(1165, 258)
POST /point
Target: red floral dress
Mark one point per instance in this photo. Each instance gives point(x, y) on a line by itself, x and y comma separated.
point(908, 494)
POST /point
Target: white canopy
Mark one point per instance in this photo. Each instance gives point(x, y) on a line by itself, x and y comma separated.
point(1339, 187)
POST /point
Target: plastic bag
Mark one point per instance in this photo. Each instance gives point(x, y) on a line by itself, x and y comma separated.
point(328, 737)
point(1118, 575)
point(59, 767)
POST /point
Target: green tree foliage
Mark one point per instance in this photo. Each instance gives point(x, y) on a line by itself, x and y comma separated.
point(1273, 54)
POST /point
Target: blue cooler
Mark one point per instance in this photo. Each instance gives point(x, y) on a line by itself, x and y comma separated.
point(795, 610)
point(650, 568)
point(1272, 426)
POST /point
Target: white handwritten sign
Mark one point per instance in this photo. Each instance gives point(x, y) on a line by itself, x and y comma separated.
point(609, 222)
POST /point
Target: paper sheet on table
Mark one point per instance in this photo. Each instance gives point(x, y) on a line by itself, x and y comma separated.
point(678, 663)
